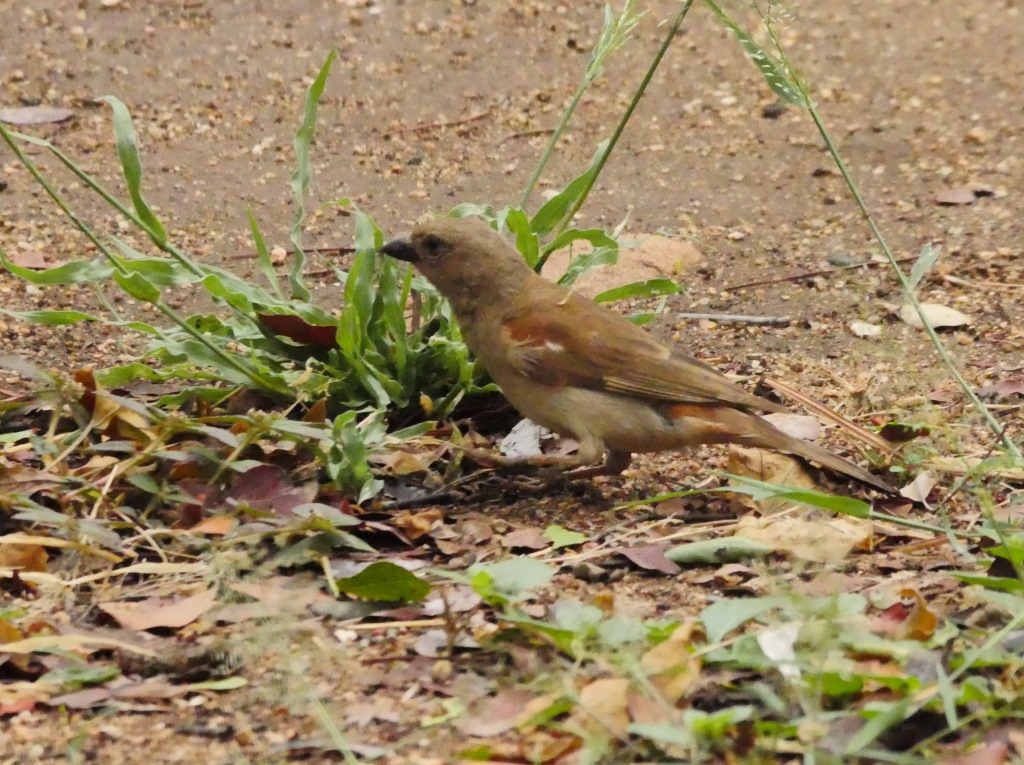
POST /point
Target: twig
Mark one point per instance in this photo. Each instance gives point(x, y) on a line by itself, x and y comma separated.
point(439, 125)
point(809, 274)
point(525, 134)
point(336, 250)
point(735, 318)
point(983, 285)
point(866, 436)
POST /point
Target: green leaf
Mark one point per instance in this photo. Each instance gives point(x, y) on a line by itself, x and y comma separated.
point(562, 537)
point(509, 579)
point(646, 289)
point(225, 684)
point(75, 272)
point(303, 172)
point(138, 286)
point(760, 490)
point(771, 71)
point(128, 153)
point(527, 241)
point(555, 209)
point(725, 615)
point(50, 318)
point(663, 733)
point(385, 581)
point(718, 551)
point(263, 255)
point(929, 254)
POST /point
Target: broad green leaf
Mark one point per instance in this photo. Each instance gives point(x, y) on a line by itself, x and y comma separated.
point(138, 286)
point(50, 318)
point(760, 490)
point(225, 684)
point(510, 579)
point(562, 537)
point(726, 614)
point(663, 733)
point(718, 551)
point(385, 581)
point(527, 241)
point(555, 209)
point(263, 255)
point(128, 153)
point(75, 272)
point(646, 289)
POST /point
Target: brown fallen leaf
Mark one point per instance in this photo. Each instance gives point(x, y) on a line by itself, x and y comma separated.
point(671, 665)
point(35, 115)
point(531, 538)
point(495, 715)
point(651, 558)
point(23, 557)
point(770, 467)
point(603, 707)
point(160, 612)
point(818, 539)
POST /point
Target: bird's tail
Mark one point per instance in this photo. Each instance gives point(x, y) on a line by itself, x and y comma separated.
point(773, 438)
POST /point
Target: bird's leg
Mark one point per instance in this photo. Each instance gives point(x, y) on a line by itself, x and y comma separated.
point(614, 463)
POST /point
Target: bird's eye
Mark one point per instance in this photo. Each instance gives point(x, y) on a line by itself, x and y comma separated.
point(433, 246)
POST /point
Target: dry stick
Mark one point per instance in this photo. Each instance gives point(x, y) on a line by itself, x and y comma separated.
point(983, 285)
point(735, 318)
point(872, 439)
point(526, 134)
point(337, 249)
point(809, 274)
point(439, 125)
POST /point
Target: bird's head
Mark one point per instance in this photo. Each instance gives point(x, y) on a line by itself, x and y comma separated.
point(463, 257)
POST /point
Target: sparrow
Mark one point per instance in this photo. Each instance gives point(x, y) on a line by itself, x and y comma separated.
point(580, 369)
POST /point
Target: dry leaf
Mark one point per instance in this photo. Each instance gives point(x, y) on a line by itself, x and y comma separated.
point(495, 715)
point(802, 426)
point(770, 467)
point(671, 665)
point(863, 329)
point(919, 489)
point(603, 707)
point(920, 623)
point(417, 525)
point(651, 558)
point(160, 612)
point(532, 538)
point(938, 316)
point(814, 539)
point(34, 115)
point(24, 557)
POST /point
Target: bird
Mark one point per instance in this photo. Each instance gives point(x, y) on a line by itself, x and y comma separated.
point(582, 370)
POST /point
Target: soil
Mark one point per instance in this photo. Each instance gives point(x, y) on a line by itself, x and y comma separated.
point(435, 102)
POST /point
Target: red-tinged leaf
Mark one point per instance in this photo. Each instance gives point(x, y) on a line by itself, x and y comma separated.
point(299, 330)
point(495, 715)
point(266, 488)
point(20, 705)
point(651, 558)
point(993, 753)
point(160, 612)
point(35, 259)
point(86, 698)
point(218, 525)
point(1004, 389)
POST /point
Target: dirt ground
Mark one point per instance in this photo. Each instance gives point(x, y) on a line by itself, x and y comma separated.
point(437, 102)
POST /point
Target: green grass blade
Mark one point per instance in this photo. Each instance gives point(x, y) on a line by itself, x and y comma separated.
point(128, 153)
point(263, 255)
point(303, 173)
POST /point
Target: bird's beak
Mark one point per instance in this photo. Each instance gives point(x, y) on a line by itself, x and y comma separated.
point(400, 249)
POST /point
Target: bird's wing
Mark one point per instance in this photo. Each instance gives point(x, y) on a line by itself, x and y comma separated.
point(579, 343)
